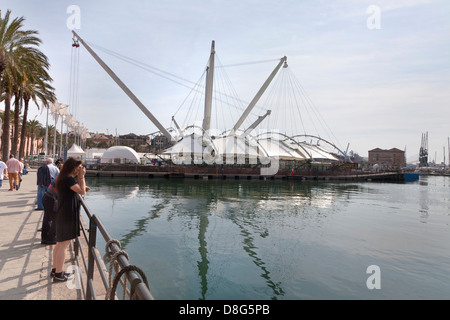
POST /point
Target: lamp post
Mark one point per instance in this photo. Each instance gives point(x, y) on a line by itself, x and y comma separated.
point(55, 108)
point(69, 121)
point(62, 112)
point(75, 127)
point(46, 132)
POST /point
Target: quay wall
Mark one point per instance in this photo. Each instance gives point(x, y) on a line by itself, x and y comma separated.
point(236, 173)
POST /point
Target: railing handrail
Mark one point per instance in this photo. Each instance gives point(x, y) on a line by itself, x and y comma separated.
point(139, 289)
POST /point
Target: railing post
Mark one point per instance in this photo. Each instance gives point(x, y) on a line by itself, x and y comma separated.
point(139, 289)
point(91, 261)
point(76, 248)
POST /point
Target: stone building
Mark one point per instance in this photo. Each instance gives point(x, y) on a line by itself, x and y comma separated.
point(389, 159)
point(160, 143)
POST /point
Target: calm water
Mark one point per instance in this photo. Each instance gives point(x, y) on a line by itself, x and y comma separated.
point(222, 239)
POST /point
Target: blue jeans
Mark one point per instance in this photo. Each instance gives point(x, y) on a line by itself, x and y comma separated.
point(40, 194)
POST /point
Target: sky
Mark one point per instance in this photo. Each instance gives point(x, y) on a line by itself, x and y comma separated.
point(378, 72)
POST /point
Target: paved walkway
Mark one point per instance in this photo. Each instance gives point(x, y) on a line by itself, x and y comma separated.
point(25, 263)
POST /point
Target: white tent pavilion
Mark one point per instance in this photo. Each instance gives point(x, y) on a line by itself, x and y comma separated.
point(279, 150)
point(186, 151)
point(120, 154)
point(76, 152)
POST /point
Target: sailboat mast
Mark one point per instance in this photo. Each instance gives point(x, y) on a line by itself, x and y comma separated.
point(209, 89)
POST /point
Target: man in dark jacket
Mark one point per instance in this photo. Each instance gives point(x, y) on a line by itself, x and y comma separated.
point(43, 181)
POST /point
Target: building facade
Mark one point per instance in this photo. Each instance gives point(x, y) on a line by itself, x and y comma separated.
point(160, 143)
point(390, 159)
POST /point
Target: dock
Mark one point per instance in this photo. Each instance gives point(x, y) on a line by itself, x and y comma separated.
point(25, 263)
point(140, 172)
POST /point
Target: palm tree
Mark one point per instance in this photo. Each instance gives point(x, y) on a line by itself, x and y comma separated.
point(17, 50)
point(34, 127)
point(36, 88)
point(34, 65)
point(36, 92)
point(16, 121)
point(51, 137)
point(9, 127)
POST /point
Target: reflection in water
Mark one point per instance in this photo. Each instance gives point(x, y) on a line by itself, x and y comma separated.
point(120, 192)
point(203, 251)
point(251, 249)
point(252, 206)
point(227, 239)
point(423, 199)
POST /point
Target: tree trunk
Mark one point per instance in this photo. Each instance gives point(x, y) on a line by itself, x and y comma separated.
point(32, 143)
point(27, 147)
point(30, 151)
point(5, 134)
point(23, 134)
point(2, 66)
point(15, 143)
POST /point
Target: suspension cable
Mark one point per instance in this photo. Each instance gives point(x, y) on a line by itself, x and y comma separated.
point(168, 75)
point(197, 88)
point(74, 80)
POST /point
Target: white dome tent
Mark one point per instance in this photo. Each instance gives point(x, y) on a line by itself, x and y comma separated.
point(120, 154)
point(76, 152)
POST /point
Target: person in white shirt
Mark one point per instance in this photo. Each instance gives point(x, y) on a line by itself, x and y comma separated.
point(3, 170)
point(54, 171)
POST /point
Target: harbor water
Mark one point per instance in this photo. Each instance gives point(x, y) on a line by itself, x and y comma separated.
point(284, 240)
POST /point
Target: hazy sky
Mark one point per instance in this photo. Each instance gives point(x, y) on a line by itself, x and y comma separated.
point(377, 71)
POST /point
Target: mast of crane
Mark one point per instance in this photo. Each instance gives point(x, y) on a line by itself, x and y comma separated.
point(209, 89)
point(255, 124)
point(125, 88)
point(423, 153)
point(259, 94)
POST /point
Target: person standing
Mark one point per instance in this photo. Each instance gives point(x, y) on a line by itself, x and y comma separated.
point(54, 170)
point(58, 163)
point(13, 172)
point(25, 168)
point(3, 170)
point(21, 171)
point(68, 214)
point(43, 181)
point(50, 203)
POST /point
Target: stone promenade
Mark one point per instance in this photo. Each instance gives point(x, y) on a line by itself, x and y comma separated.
point(25, 263)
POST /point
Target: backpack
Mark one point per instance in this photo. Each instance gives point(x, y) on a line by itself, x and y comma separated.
point(52, 193)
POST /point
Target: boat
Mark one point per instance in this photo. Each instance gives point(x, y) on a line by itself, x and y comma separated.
point(411, 176)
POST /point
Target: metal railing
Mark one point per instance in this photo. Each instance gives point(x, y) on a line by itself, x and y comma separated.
point(137, 281)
